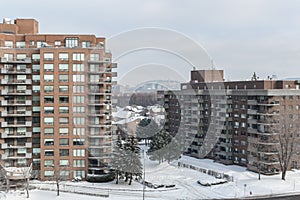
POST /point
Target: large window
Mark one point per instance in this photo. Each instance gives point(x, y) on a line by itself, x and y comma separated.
point(48, 67)
point(36, 57)
point(49, 110)
point(78, 163)
point(78, 131)
point(48, 56)
point(63, 56)
point(78, 120)
point(94, 57)
point(63, 99)
point(78, 89)
point(78, 67)
point(63, 109)
point(48, 131)
point(36, 78)
point(63, 162)
point(78, 77)
point(78, 109)
point(49, 152)
point(78, 56)
point(21, 44)
point(49, 120)
point(78, 141)
point(63, 88)
point(71, 42)
point(48, 142)
point(79, 152)
point(80, 173)
point(48, 163)
point(63, 67)
point(64, 131)
point(63, 141)
point(63, 120)
point(48, 88)
point(48, 99)
point(64, 152)
point(86, 44)
point(35, 68)
point(9, 44)
point(48, 77)
point(63, 78)
point(78, 99)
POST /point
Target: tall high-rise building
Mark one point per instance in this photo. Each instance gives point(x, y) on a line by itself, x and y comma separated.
point(55, 101)
point(236, 122)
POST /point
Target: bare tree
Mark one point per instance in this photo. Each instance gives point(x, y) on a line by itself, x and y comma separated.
point(60, 174)
point(26, 172)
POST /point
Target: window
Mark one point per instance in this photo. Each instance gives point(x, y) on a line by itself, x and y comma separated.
point(36, 78)
point(48, 67)
point(64, 131)
point(48, 142)
point(63, 120)
point(63, 109)
point(63, 141)
point(78, 163)
point(78, 77)
point(49, 110)
point(94, 78)
point(35, 99)
point(36, 109)
point(78, 89)
point(48, 56)
point(48, 131)
point(78, 152)
point(63, 56)
point(21, 56)
point(48, 99)
point(9, 44)
point(63, 88)
point(78, 120)
point(86, 44)
point(80, 173)
point(78, 56)
point(36, 151)
point(78, 109)
point(78, 131)
point(78, 142)
point(21, 44)
point(49, 152)
point(71, 42)
point(63, 78)
point(49, 163)
point(78, 99)
point(35, 68)
point(63, 162)
point(49, 120)
point(9, 56)
point(48, 88)
point(64, 152)
point(65, 173)
point(35, 57)
point(94, 57)
point(57, 43)
point(63, 99)
point(63, 67)
point(48, 173)
point(78, 67)
point(48, 77)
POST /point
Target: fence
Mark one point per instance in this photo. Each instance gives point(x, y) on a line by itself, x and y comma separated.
point(207, 171)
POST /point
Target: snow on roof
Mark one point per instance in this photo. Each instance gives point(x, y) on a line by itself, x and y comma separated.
point(131, 119)
point(121, 114)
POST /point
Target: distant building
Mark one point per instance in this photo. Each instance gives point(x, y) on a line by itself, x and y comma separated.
point(234, 122)
point(55, 101)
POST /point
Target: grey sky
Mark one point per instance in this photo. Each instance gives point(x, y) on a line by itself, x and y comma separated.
point(240, 36)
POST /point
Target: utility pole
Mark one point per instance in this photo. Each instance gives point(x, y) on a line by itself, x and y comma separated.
point(144, 175)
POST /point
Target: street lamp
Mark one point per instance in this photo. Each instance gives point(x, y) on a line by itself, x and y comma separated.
point(144, 174)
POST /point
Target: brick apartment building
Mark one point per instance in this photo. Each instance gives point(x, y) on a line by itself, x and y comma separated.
point(234, 122)
point(55, 101)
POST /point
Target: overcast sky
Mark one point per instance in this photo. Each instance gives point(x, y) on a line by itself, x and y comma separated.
point(240, 36)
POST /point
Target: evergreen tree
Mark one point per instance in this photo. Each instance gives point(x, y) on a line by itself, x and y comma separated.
point(146, 129)
point(118, 161)
point(163, 147)
point(133, 160)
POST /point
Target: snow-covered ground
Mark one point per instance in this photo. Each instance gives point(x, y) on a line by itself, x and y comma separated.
point(185, 180)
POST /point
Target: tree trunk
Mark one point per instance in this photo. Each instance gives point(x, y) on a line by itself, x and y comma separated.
point(117, 173)
point(130, 180)
point(27, 187)
point(283, 174)
point(57, 185)
point(126, 177)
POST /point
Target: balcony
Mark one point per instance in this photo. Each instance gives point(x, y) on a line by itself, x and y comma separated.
point(252, 112)
point(19, 124)
point(17, 61)
point(252, 102)
point(17, 103)
point(17, 92)
point(114, 65)
point(17, 113)
point(18, 146)
point(17, 135)
point(12, 71)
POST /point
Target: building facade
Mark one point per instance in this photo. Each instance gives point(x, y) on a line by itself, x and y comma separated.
point(55, 101)
point(235, 122)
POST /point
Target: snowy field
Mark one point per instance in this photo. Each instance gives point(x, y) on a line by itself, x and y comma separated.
point(185, 181)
